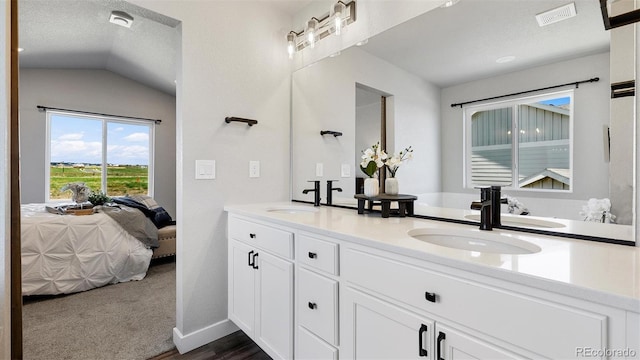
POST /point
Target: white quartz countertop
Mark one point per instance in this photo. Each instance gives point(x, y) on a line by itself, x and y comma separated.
point(594, 271)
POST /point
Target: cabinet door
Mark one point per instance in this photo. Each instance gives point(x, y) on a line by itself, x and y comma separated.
point(241, 286)
point(452, 344)
point(375, 329)
point(274, 301)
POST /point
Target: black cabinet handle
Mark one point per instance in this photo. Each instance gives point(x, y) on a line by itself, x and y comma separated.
point(255, 264)
point(312, 305)
point(249, 258)
point(312, 255)
point(431, 297)
point(441, 336)
point(253, 236)
point(421, 350)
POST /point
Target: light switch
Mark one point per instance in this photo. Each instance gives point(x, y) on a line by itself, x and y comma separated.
point(205, 169)
point(254, 168)
point(319, 169)
point(345, 170)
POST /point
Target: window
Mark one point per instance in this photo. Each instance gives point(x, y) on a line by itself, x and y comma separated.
point(112, 155)
point(521, 144)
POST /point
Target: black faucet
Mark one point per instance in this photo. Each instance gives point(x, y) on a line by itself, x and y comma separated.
point(484, 205)
point(315, 190)
point(330, 189)
point(496, 201)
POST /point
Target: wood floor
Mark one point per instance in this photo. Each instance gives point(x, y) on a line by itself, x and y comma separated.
point(236, 346)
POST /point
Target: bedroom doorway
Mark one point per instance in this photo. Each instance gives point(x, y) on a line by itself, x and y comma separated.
point(57, 67)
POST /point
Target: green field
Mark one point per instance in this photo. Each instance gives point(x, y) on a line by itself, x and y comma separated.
point(121, 180)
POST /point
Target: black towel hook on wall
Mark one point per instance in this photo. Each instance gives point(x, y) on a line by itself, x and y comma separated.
point(249, 122)
point(330, 132)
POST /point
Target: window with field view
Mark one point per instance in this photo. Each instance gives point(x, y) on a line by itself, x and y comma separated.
point(111, 155)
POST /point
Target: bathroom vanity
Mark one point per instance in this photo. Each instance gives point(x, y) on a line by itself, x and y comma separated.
point(326, 283)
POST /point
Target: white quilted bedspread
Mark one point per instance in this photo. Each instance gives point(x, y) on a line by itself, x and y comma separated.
point(64, 254)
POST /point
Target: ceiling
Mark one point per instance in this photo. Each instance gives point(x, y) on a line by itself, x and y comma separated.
point(77, 34)
point(446, 46)
point(449, 46)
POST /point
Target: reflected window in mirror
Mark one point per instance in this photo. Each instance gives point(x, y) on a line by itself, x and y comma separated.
point(521, 144)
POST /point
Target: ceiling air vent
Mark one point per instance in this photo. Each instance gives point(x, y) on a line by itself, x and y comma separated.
point(558, 14)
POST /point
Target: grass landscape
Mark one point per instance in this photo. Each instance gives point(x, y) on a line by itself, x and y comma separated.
point(121, 180)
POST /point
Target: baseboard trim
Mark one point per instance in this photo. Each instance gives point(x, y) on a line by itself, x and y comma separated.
point(193, 340)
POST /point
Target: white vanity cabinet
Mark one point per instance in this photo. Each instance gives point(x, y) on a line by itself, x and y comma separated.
point(261, 284)
point(346, 297)
point(421, 312)
point(316, 297)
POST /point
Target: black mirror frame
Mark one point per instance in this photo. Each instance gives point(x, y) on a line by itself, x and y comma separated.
point(618, 20)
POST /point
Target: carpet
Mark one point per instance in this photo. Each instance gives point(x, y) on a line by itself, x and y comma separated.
point(132, 320)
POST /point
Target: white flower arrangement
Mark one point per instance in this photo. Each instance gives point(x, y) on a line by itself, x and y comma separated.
point(393, 163)
point(372, 159)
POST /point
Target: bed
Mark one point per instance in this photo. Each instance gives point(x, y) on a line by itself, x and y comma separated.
point(63, 254)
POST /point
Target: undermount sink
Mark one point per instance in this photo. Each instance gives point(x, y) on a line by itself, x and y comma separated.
point(292, 209)
point(475, 240)
point(521, 221)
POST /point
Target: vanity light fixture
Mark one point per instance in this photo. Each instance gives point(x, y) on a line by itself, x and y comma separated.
point(121, 18)
point(334, 22)
point(611, 22)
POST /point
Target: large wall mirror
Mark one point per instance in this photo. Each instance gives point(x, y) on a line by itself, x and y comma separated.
point(565, 137)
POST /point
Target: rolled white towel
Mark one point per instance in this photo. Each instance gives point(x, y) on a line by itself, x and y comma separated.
point(514, 206)
point(598, 210)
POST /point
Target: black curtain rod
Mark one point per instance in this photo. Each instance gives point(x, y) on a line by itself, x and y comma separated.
point(44, 108)
point(575, 83)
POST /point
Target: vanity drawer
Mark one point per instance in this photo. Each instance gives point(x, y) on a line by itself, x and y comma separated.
point(318, 254)
point(276, 241)
point(543, 327)
point(318, 305)
point(310, 347)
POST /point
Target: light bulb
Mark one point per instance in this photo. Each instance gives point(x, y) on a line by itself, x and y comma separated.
point(338, 9)
point(291, 44)
point(312, 25)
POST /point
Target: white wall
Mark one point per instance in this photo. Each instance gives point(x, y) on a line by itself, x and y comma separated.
point(98, 91)
point(233, 63)
point(324, 99)
point(5, 204)
point(591, 113)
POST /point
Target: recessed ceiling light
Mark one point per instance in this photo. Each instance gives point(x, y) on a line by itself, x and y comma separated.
point(505, 59)
point(363, 42)
point(121, 18)
point(449, 3)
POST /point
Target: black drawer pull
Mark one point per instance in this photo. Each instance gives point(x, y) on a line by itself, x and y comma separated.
point(253, 236)
point(255, 264)
point(312, 255)
point(312, 305)
point(249, 259)
point(441, 336)
point(421, 350)
point(431, 297)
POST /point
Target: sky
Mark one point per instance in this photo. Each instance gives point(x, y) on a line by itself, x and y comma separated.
point(79, 140)
point(557, 101)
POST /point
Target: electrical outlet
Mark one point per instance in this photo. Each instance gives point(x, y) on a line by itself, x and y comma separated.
point(319, 169)
point(254, 169)
point(345, 170)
